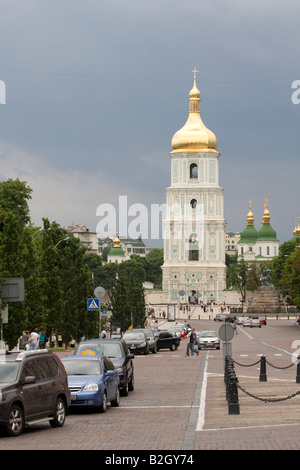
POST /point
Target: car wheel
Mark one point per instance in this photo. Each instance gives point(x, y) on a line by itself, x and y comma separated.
point(131, 383)
point(173, 347)
point(125, 389)
point(154, 351)
point(16, 421)
point(116, 401)
point(60, 414)
point(103, 406)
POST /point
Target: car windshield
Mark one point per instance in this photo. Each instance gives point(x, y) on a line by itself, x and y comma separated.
point(149, 333)
point(134, 335)
point(100, 349)
point(208, 334)
point(8, 371)
point(82, 367)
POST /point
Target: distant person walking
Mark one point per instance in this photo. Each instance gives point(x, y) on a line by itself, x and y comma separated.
point(191, 344)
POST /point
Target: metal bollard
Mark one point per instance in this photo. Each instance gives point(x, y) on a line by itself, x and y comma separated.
point(298, 371)
point(263, 369)
point(233, 399)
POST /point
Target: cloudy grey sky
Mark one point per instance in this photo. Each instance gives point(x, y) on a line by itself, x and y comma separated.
point(96, 89)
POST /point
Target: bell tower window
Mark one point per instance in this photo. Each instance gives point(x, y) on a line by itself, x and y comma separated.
point(193, 171)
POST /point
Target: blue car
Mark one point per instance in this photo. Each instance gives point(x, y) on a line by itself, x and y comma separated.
point(93, 381)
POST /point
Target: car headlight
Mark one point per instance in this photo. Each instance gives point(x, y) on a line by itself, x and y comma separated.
point(119, 370)
point(90, 388)
point(143, 344)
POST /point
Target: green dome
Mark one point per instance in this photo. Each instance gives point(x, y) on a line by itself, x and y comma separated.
point(267, 233)
point(249, 235)
point(116, 251)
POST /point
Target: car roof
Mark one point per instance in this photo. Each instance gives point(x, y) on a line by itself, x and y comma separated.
point(100, 340)
point(209, 331)
point(82, 358)
point(13, 357)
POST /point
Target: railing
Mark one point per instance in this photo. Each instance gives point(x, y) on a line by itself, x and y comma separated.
point(232, 383)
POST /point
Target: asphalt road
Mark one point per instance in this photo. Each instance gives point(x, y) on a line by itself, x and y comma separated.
point(179, 403)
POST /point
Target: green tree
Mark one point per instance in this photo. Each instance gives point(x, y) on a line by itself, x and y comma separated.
point(237, 277)
point(120, 302)
point(11, 266)
point(50, 282)
point(278, 262)
point(154, 262)
point(14, 196)
point(290, 280)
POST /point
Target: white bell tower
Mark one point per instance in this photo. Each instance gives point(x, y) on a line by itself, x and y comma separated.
point(194, 229)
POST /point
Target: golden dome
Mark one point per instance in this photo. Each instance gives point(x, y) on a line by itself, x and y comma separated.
point(266, 217)
point(250, 216)
point(194, 136)
point(296, 232)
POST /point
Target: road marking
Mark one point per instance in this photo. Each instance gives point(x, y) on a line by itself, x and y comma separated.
point(251, 427)
point(201, 415)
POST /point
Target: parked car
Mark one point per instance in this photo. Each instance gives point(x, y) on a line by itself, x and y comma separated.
point(119, 354)
point(167, 340)
point(263, 321)
point(33, 386)
point(255, 322)
point(136, 341)
point(220, 317)
point(93, 381)
point(230, 318)
point(151, 337)
point(208, 339)
point(179, 330)
point(252, 322)
point(241, 320)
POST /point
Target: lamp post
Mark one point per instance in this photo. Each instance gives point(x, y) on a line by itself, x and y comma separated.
point(62, 240)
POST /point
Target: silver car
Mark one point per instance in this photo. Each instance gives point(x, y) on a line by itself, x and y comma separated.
point(208, 339)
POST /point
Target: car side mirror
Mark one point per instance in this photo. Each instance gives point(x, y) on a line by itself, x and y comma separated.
point(130, 356)
point(30, 379)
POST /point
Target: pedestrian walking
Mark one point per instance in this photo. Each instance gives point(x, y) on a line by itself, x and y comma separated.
point(191, 344)
point(42, 340)
point(60, 340)
point(25, 338)
point(234, 327)
point(33, 340)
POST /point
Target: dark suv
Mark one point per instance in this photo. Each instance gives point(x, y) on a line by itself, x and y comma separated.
point(119, 354)
point(33, 388)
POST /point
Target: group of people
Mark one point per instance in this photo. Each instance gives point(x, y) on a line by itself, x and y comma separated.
point(38, 339)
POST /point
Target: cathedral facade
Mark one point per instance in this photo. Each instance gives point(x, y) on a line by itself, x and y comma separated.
point(194, 267)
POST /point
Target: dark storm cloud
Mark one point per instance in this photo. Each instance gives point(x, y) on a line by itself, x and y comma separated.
point(96, 90)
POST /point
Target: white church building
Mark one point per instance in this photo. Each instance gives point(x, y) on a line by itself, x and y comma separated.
point(194, 228)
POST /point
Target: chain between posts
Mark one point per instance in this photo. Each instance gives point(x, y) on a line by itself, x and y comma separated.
point(232, 385)
point(268, 400)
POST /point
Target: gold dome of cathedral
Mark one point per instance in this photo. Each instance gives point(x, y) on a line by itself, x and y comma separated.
point(194, 135)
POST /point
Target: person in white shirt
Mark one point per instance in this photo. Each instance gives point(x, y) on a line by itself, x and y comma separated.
point(33, 340)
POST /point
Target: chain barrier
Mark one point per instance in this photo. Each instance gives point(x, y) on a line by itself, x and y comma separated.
point(268, 400)
point(282, 368)
point(246, 365)
point(232, 385)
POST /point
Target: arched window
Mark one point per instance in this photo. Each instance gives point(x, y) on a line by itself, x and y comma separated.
point(193, 247)
point(193, 203)
point(193, 170)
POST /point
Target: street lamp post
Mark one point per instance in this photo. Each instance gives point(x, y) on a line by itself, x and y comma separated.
point(62, 240)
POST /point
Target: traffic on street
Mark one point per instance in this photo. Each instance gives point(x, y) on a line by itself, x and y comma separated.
point(171, 401)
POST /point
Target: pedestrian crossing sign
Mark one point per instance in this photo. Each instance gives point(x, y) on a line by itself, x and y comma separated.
point(93, 304)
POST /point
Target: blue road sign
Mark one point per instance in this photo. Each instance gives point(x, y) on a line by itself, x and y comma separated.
point(93, 304)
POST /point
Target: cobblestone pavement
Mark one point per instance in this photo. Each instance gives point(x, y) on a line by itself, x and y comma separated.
point(179, 403)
